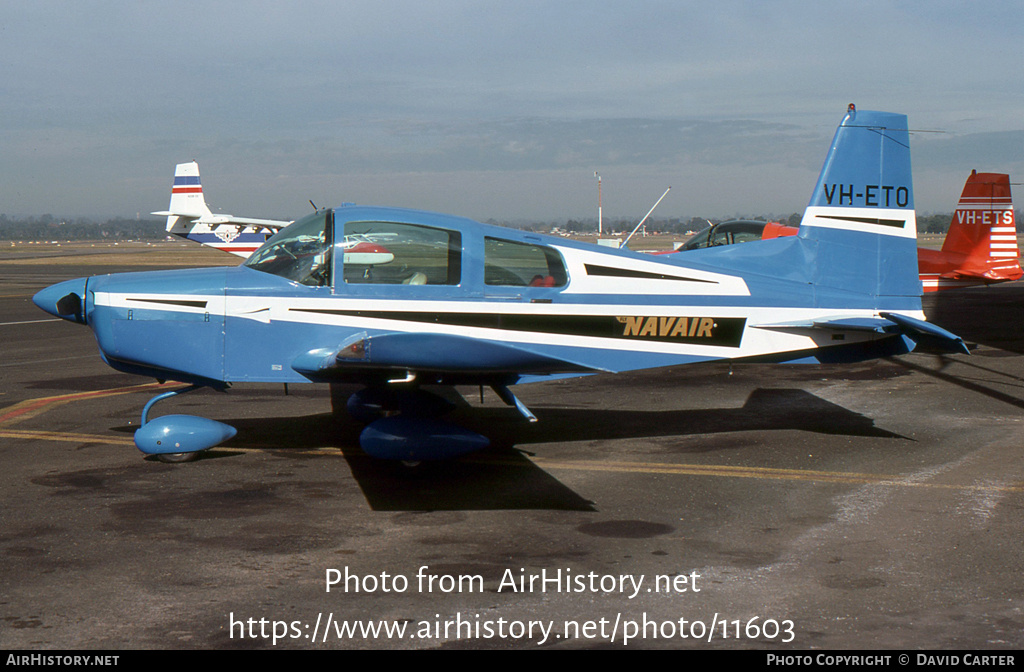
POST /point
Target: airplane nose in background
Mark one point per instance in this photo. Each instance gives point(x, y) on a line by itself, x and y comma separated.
point(64, 300)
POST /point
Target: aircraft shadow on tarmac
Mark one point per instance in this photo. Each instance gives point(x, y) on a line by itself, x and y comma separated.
point(764, 409)
point(992, 315)
point(498, 478)
point(502, 477)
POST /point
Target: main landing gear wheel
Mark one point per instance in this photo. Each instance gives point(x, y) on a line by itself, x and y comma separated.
point(411, 470)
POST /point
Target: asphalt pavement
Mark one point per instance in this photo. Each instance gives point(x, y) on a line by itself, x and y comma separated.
point(778, 507)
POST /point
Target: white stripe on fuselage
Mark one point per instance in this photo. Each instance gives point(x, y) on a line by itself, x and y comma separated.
point(296, 311)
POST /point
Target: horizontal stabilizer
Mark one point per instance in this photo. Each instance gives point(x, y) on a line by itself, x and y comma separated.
point(431, 352)
point(1006, 272)
point(875, 324)
point(216, 220)
point(887, 323)
point(918, 329)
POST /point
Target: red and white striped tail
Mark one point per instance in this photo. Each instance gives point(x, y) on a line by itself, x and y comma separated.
point(984, 228)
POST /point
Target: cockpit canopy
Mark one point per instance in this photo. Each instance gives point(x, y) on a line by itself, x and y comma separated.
point(386, 252)
point(726, 233)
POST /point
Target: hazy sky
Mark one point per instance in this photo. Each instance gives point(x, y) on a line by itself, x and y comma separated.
point(492, 109)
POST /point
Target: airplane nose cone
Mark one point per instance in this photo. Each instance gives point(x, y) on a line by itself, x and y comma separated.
point(65, 300)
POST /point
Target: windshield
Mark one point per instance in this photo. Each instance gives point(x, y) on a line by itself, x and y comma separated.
point(699, 239)
point(298, 252)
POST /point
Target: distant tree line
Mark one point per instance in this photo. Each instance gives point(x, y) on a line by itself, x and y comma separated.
point(681, 225)
point(934, 223)
point(47, 227)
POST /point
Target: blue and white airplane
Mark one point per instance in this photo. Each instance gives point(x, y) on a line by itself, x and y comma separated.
point(459, 302)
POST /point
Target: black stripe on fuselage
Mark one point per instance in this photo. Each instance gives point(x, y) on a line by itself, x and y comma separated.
point(610, 271)
point(174, 302)
point(699, 330)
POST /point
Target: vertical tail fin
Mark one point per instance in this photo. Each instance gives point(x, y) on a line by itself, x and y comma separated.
point(984, 231)
point(187, 193)
point(860, 224)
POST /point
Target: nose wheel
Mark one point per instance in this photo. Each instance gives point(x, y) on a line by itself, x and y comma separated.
point(178, 438)
point(178, 458)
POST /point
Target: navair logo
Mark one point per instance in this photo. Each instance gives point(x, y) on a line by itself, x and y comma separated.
point(869, 195)
point(723, 331)
point(699, 327)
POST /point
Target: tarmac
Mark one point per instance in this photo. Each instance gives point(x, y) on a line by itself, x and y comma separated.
point(775, 507)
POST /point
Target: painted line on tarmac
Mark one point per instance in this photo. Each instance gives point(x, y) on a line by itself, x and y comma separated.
point(723, 471)
point(69, 437)
point(30, 435)
point(30, 408)
point(7, 324)
point(707, 470)
point(33, 407)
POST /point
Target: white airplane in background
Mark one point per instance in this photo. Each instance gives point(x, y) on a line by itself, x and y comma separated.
point(190, 218)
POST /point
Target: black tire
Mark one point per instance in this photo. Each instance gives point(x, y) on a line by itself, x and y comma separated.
point(177, 458)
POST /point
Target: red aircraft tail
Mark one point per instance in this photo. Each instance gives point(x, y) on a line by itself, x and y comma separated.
point(981, 245)
point(984, 229)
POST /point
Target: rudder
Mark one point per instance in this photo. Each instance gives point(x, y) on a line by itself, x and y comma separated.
point(860, 221)
point(187, 192)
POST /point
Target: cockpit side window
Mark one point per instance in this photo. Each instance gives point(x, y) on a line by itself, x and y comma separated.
point(747, 233)
point(393, 253)
point(515, 264)
point(299, 252)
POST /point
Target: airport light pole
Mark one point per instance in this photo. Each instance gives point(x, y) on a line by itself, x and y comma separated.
point(598, 203)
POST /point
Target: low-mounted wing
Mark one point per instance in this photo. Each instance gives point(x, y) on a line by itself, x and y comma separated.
point(441, 353)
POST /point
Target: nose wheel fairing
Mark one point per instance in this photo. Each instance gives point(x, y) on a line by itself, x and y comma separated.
point(179, 438)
